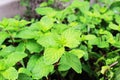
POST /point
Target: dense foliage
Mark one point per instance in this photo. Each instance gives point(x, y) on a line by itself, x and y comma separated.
point(80, 39)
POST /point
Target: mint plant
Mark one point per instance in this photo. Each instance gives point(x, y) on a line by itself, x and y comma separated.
point(79, 38)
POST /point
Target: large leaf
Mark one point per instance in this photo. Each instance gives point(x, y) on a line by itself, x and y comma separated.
point(10, 74)
point(33, 46)
point(47, 40)
point(6, 51)
point(3, 36)
point(52, 55)
point(70, 60)
point(71, 38)
point(14, 57)
point(32, 62)
point(117, 74)
point(41, 69)
point(46, 11)
point(26, 34)
point(78, 52)
point(46, 23)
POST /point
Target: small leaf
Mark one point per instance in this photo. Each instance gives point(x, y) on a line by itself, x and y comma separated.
point(59, 28)
point(117, 19)
point(71, 18)
point(89, 37)
point(104, 69)
point(78, 53)
point(20, 47)
point(41, 69)
point(52, 55)
point(22, 76)
point(33, 46)
point(23, 23)
point(2, 64)
point(6, 51)
point(114, 26)
point(10, 73)
point(46, 11)
point(70, 60)
point(46, 23)
point(25, 71)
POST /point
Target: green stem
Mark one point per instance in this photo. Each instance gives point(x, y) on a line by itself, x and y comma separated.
point(114, 51)
point(22, 63)
point(12, 39)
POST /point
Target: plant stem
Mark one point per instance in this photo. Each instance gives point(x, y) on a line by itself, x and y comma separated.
point(113, 64)
point(114, 51)
point(12, 39)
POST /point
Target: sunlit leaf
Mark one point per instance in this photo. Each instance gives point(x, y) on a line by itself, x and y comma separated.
point(71, 38)
point(46, 11)
point(52, 55)
point(70, 60)
point(32, 62)
point(3, 36)
point(33, 46)
point(41, 69)
point(17, 57)
point(78, 52)
point(10, 73)
point(46, 23)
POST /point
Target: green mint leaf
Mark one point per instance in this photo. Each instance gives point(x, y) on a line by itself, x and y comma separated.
point(78, 53)
point(26, 34)
point(2, 64)
point(72, 61)
point(52, 55)
point(6, 51)
point(71, 38)
point(22, 76)
point(46, 23)
point(10, 61)
point(41, 69)
point(46, 11)
point(11, 73)
point(33, 46)
point(3, 36)
point(114, 26)
point(25, 71)
point(48, 40)
point(32, 62)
